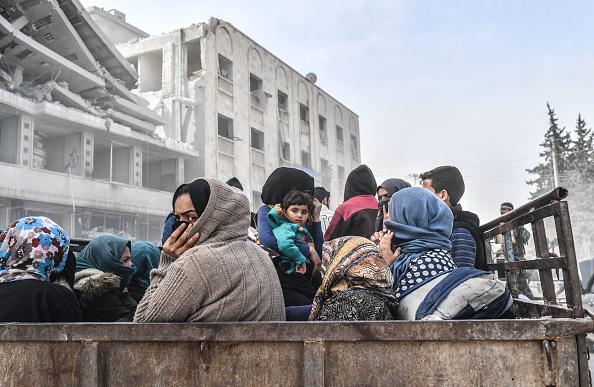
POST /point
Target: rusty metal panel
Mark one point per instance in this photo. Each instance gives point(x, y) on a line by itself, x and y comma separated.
point(202, 364)
point(431, 363)
point(40, 364)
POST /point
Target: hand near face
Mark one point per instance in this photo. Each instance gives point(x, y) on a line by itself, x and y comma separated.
point(385, 247)
point(178, 243)
point(317, 210)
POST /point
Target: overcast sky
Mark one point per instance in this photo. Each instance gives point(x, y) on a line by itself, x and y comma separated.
point(434, 82)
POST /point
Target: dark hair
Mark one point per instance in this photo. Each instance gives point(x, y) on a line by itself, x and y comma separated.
point(182, 189)
point(321, 193)
point(297, 198)
point(507, 205)
point(447, 178)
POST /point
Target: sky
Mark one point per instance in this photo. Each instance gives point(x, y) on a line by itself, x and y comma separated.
point(442, 82)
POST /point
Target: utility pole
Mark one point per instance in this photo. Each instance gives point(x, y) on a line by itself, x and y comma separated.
point(555, 168)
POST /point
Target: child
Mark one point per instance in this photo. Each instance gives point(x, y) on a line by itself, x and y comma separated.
point(287, 222)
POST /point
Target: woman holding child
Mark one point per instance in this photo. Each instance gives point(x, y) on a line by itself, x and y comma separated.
point(289, 224)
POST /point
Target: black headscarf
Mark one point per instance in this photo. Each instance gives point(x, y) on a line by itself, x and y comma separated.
point(234, 182)
point(199, 191)
point(283, 180)
point(360, 182)
point(393, 186)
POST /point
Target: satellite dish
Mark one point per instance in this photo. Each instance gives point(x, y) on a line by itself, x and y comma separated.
point(313, 78)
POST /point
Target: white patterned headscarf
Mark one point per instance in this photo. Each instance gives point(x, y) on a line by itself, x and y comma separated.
point(32, 248)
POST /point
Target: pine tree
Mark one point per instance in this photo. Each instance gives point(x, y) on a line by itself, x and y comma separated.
point(580, 156)
point(561, 140)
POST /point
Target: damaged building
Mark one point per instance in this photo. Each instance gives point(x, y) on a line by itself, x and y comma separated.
point(75, 143)
point(244, 110)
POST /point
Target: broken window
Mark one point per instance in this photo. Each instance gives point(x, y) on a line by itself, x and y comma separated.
point(323, 130)
point(57, 150)
point(194, 59)
point(304, 113)
point(283, 102)
point(255, 83)
point(102, 159)
point(225, 68)
point(134, 62)
point(120, 165)
point(306, 159)
point(340, 177)
point(257, 139)
point(325, 169)
point(339, 134)
point(286, 151)
point(159, 171)
point(225, 127)
point(9, 140)
point(150, 71)
point(354, 147)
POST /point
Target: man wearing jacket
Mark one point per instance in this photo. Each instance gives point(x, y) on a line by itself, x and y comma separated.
point(447, 183)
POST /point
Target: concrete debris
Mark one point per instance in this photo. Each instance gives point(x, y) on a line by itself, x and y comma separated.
point(53, 51)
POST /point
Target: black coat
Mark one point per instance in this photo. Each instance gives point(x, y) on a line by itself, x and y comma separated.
point(101, 298)
point(37, 301)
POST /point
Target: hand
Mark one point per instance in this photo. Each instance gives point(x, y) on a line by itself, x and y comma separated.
point(317, 210)
point(315, 259)
point(385, 247)
point(178, 243)
point(301, 269)
point(377, 237)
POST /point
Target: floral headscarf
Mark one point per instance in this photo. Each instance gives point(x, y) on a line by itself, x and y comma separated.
point(352, 262)
point(32, 248)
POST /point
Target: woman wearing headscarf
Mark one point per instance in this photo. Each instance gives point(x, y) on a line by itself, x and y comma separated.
point(427, 282)
point(298, 289)
point(31, 250)
point(209, 270)
point(357, 214)
point(103, 271)
point(145, 257)
point(357, 283)
point(384, 193)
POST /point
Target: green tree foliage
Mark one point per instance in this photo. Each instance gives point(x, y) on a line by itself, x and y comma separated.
point(576, 173)
point(561, 140)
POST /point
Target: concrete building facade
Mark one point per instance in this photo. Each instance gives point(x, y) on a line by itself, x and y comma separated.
point(99, 122)
point(75, 144)
point(243, 109)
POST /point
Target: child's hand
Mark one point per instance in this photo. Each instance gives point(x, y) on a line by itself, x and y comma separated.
point(301, 269)
point(315, 259)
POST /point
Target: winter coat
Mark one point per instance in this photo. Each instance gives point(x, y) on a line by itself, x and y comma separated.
point(38, 301)
point(286, 234)
point(357, 214)
point(462, 244)
point(224, 277)
point(101, 298)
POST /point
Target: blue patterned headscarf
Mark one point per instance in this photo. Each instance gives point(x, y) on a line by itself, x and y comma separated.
point(32, 248)
point(419, 221)
point(105, 253)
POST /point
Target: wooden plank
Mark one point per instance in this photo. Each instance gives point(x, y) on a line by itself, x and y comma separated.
point(532, 264)
point(548, 286)
point(571, 278)
point(539, 234)
point(531, 217)
point(313, 363)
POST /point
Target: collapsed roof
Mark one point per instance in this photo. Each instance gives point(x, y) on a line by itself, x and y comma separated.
point(52, 50)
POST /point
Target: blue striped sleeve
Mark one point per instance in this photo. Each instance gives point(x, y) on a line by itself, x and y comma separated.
point(463, 248)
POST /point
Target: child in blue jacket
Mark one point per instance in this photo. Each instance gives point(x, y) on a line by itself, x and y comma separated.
point(287, 222)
